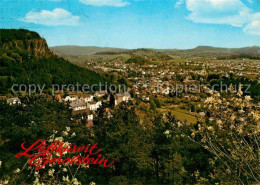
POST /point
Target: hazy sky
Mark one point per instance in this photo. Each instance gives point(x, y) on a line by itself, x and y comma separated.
point(137, 23)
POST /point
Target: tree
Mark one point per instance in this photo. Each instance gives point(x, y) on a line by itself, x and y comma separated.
point(152, 105)
point(124, 140)
point(112, 100)
point(35, 119)
point(157, 103)
point(233, 137)
point(192, 108)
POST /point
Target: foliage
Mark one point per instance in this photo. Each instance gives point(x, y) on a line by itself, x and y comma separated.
point(124, 140)
point(7, 35)
point(250, 87)
point(232, 136)
point(157, 103)
point(136, 60)
point(152, 105)
point(18, 65)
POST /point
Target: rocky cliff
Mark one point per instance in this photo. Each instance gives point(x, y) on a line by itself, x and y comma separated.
point(35, 47)
point(23, 41)
point(26, 59)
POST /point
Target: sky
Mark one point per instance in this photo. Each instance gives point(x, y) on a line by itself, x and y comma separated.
point(162, 24)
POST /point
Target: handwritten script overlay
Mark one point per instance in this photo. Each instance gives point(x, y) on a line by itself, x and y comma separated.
point(41, 154)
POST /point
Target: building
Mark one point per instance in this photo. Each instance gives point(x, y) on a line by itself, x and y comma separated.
point(99, 104)
point(125, 97)
point(3, 98)
point(71, 98)
point(13, 101)
point(89, 124)
point(101, 93)
point(90, 117)
point(202, 114)
point(78, 105)
point(92, 105)
point(86, 97)
point(58, 97)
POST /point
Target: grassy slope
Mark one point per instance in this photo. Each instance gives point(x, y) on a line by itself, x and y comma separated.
point(179, 114)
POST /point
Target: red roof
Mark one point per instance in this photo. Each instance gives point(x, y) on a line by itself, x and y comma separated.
point(89, 124)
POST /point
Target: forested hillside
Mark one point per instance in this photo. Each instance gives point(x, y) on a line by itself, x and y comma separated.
point(26, 59)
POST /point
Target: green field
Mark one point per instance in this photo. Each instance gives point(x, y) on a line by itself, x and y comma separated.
point(179, 114)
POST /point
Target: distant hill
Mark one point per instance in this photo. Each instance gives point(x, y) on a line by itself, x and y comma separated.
point(82, 50)
point(207, 51)
point(83, 55)
point(92, 50)
point(26, 59)
point(201, 51)
point(147, 54)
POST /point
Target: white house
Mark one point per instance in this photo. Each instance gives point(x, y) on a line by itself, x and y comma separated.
point(202, 114)
point(125, 97)
point(100, 93)
point(71, 98)
point(87, 97)
point(145, 98)
point(13, 101)
point(99, 104)
point(90, 117)
point(92, 105)
point(166, 91)
point(78, 105)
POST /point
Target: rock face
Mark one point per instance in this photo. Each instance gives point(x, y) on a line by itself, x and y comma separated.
point(24, 41)
point(38, 47)
point(26, 59)
point(35, 47)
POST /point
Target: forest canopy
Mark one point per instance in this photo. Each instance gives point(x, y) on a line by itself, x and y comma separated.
point(7, 35)
point(20, 65)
